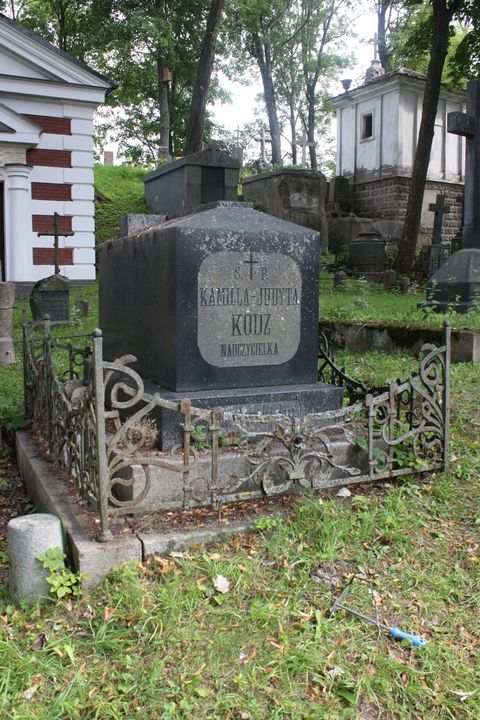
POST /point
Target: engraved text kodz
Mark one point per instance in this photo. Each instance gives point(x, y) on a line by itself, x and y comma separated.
point(249, 306)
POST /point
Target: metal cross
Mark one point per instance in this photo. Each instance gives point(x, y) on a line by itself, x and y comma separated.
point(55, 234)
point(251, 262)
point(440, 209)
point(468, 125)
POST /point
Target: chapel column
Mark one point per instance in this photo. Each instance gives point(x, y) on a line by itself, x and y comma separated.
point(18, 215)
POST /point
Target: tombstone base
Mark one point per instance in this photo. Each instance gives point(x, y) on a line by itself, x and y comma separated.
point(296, 401)
point(456, 284)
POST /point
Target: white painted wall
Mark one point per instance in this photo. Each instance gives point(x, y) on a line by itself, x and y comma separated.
point(396, 103)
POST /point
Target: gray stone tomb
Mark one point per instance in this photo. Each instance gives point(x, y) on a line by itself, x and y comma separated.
point(198, 179)
point(220, 306)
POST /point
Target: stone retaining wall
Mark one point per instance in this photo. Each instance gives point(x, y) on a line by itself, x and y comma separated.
point(386, 198)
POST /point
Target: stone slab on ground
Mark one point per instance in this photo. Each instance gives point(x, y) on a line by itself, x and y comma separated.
point(361, 336)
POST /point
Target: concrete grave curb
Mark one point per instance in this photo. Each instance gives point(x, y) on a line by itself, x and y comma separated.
point(48, 491)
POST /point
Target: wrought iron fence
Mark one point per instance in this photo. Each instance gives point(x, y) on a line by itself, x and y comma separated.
point(95, 419)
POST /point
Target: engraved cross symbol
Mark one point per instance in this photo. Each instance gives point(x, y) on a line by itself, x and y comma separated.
point(251, 262)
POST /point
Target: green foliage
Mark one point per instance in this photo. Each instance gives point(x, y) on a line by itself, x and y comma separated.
point(270, 649)
point(63, 582)
point(118, 191)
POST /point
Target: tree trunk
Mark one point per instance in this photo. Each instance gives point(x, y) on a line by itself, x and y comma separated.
point(261, 53)
point(293, 133)
point(381, 33)
point(164, 109)
point(196, 121)
point(442, 16)
point(163, 100)
point(312, 150)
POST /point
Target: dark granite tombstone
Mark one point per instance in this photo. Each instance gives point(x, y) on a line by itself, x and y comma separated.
point(456, 284)
point(367, 255)
point(185, 184)
point(51, 296)
point(221, 305)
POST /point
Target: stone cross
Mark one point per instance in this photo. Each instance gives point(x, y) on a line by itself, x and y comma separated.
point(468, 125)
point(440, 209)
point(263, 140)
point(374, 42)
point(305, 144)
point(56, 234)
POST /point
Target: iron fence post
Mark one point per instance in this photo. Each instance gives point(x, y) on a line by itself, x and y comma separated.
point(447, 336)
point(102, 469)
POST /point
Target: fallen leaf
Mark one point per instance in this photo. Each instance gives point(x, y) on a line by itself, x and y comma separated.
point(221, 584)
point(107, 613)
point(40, 642)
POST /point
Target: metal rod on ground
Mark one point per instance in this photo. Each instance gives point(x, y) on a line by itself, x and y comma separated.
point(395, 632)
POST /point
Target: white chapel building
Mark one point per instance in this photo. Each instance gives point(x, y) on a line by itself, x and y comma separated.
point(377, 131)
point(47, 102)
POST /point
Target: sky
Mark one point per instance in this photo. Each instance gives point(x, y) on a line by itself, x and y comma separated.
point(241, 109)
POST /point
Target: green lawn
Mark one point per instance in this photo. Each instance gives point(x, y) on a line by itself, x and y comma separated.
point(118, 191)
point(362, 301)
point(155, 641)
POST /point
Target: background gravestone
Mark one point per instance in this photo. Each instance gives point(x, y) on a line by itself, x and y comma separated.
point(456, 283)
point(191, 181)
point(291, 194)
point(51, 296)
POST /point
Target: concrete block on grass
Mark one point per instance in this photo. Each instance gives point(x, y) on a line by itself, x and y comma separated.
point(28, 537)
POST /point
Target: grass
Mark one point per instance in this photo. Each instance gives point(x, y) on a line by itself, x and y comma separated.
point(118, 191)
point(156, 641)
point(363, 301)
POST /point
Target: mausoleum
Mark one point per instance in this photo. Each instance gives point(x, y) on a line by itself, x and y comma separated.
point(47, 102)
point(377, 131)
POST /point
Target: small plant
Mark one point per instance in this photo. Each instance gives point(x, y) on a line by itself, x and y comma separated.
point(266, 523)
point(64, 582)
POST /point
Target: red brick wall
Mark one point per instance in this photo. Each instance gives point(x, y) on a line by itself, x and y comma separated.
point(44, 223)
point(56, 125)
point(51, 191)
point(46, 256)
point(49, 158)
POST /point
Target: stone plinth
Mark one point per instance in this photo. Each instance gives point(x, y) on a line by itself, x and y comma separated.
point(294, 401)
point(456, 284)
point(198, 179)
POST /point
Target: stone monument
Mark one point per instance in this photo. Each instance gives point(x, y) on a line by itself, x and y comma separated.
point(184, 184)
point(220, 306)
point(291, 194)
point(457, 282)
